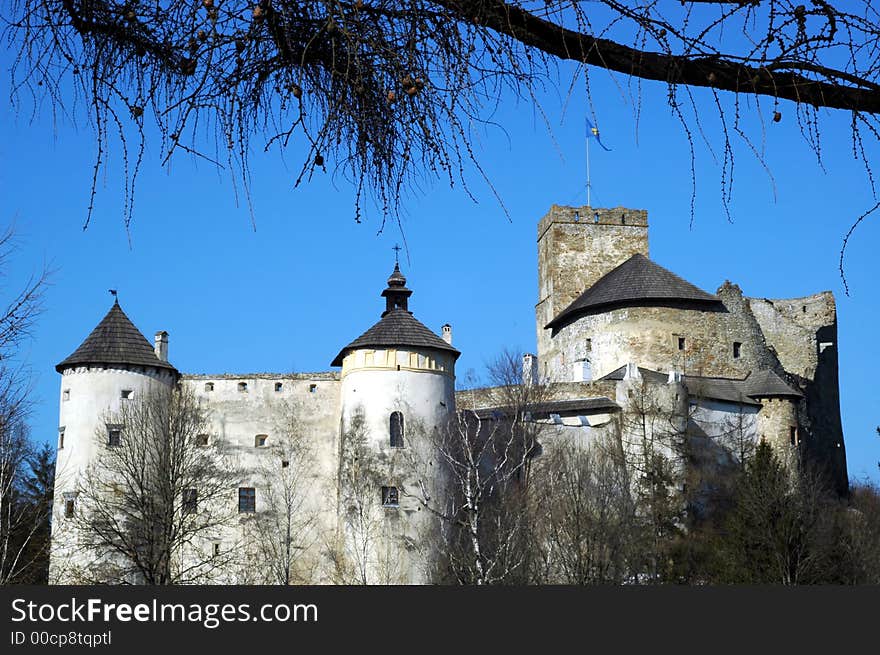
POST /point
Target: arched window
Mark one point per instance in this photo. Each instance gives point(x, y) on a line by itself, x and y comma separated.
point(396, 430)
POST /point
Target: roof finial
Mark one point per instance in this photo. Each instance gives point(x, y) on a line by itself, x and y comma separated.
point(396, 250)
point(115, 294)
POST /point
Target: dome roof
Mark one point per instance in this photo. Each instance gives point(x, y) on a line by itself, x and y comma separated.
point(115, 341)
point(637, 281)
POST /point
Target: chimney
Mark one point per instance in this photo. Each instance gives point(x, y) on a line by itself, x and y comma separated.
point(530, 369)
point(447, 333)
point(161, 347)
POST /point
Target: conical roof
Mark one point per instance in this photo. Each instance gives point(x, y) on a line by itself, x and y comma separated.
point(397, 327)
point(115, 340)
point(637, 281)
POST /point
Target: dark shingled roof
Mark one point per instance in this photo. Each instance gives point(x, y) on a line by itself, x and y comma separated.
point(114, 341)
point(766, 384)
point(758, 384)
point(397, 328)
point(575, 406)
point(637, 281)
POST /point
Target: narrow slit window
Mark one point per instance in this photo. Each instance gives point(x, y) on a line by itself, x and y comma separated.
point(396, 429)
point(737, 349)
point(69, 508)
point(60, 438)
point(216, 550)
point(65, 394)
point(793, 436)
point(681, 343)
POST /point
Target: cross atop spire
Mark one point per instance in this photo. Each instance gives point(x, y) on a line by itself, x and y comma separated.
point(396, 250)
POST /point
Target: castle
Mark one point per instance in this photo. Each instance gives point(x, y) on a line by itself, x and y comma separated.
point(609, 321)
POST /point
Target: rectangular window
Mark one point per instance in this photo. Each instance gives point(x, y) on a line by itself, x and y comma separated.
point(390, 497)
point(313, 388)
point(60, 438)
point(127, 394)
point(114, 436)
point(285, 463)
point(278, 387)
point(65, 395)
point(202, 439)
point(68, 508)
point(737, 349)
point(242, 387)
point(190, 500)
point(247, 500)
point(681, 343)
point(260, 440)
point(216, 550)
point(793, 436)
point(209, 386)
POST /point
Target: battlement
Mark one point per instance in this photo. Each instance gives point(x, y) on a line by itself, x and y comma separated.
point(587, 215)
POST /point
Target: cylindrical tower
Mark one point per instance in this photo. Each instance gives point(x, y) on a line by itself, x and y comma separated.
point(114, 365)
point(398, 396)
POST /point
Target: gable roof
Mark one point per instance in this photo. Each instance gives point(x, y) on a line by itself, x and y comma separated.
point(637, 281)
point(766, 384)
point(115, 340)
point(397, 327)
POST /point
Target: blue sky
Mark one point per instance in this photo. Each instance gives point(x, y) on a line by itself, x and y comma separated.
point(288, 295)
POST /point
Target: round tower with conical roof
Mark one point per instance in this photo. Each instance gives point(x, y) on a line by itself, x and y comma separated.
point(397, 397)
point(115, 364)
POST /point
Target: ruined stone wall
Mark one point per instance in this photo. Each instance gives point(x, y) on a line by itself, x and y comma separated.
point(577, 246)
point(802, 332)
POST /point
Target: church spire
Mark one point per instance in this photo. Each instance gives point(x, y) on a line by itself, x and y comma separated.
point(396, 295)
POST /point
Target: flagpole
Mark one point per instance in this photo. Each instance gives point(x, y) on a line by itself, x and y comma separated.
point(589, 185)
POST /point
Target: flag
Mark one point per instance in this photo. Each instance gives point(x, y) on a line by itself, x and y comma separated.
point(593, 131)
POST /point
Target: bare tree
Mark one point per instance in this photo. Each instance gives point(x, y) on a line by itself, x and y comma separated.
point(385, 91)
point(583, 518)
point(156, 499)
point(484, 458)
point(21, 522)
point(284, 533)
point(368, 550)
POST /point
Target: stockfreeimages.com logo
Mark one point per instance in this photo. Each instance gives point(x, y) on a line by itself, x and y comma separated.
point(209, 615)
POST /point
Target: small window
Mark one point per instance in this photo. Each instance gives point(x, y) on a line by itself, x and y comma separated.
point(278, 387)
point(589, 345)
point(313, 388)
point(247, 500)
point(285, 463)
point(60, 438)
point(114, 436)
point(396, 430)
point(242, 387)
point(737, 349)
point(260, 440)
point(390, 497)
point(190, 500)
point(216, 549)
point(209, 386)
point(793, 436)
point(69, 508)
point(202, 439)
point(127, 394)
point(681, 343)
point(65, 395)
